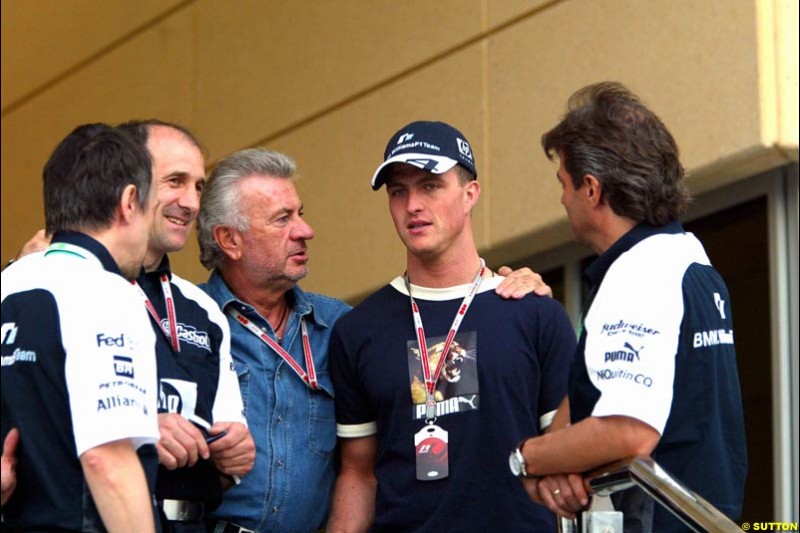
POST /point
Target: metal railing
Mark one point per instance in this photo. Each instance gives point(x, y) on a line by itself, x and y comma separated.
point(642, 471)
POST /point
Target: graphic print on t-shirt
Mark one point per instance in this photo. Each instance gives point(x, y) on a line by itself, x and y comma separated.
point(457, 388)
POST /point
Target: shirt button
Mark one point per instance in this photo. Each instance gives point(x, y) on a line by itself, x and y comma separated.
point(280, 419)
point(275, 509)
point(280, 464)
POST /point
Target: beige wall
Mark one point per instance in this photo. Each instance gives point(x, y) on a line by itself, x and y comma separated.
point(330, 81)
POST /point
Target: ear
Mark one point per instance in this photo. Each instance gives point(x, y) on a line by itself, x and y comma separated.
point(472, 191)
point(592, 190)
point(129, 206)
point(229, 241)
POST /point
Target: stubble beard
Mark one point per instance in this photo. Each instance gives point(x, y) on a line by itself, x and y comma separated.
point(275, 277)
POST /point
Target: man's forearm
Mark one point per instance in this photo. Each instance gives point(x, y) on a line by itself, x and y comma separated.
point(119, 488)
point(589, 444)
point(353, 508)
point(561, 418)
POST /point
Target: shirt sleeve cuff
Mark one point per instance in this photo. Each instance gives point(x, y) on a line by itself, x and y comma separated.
point(546, 419)
point(352, 431)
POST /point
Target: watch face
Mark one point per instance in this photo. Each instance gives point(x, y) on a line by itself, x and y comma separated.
point(514, 464)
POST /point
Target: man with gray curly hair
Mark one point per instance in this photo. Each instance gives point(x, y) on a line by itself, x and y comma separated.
point(253, 237)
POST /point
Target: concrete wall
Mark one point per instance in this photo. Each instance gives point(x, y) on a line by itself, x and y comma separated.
point(329, 81)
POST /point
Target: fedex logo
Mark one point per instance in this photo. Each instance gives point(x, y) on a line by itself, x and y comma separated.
point(104, 340)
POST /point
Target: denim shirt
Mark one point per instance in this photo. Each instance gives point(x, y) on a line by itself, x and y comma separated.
point(294, 428)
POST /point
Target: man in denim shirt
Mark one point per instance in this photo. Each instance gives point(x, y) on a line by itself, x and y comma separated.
point(253, 238)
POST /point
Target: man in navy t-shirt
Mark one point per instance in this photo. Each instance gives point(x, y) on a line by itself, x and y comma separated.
point(436, 376)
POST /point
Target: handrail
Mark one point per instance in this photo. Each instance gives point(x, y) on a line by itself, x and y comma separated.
point(644, 472)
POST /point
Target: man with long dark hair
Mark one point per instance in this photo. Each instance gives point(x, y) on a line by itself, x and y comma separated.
point(655, 372)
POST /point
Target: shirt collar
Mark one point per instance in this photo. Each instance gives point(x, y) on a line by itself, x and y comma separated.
point(162, 268)
point(298, 300)
point(597, 270)
point(89, 244)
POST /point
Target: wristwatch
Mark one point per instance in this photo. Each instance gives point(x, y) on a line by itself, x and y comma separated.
point(516, 461)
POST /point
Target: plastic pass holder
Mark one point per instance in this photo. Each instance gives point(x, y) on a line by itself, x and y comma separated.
point(430, 444)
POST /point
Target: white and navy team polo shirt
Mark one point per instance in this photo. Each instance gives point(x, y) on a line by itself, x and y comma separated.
point(78, 371)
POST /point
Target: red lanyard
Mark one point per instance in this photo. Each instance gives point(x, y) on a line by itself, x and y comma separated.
point(431, 379)
point(172, 320)
point(310, 378)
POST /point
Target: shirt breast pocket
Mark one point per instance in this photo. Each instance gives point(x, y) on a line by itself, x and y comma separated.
point(321, 418)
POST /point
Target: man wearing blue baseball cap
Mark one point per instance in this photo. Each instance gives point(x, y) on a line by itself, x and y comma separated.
point(436, 376)
point(433, 146)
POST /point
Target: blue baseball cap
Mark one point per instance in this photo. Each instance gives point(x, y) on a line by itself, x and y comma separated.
point(433, 146)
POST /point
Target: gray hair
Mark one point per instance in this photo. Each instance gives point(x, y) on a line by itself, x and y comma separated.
point(220, 203)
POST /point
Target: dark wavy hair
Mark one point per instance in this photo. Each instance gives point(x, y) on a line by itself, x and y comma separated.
point(609, 133)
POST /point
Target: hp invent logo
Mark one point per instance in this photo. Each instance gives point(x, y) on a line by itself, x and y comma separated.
point(463, 147)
